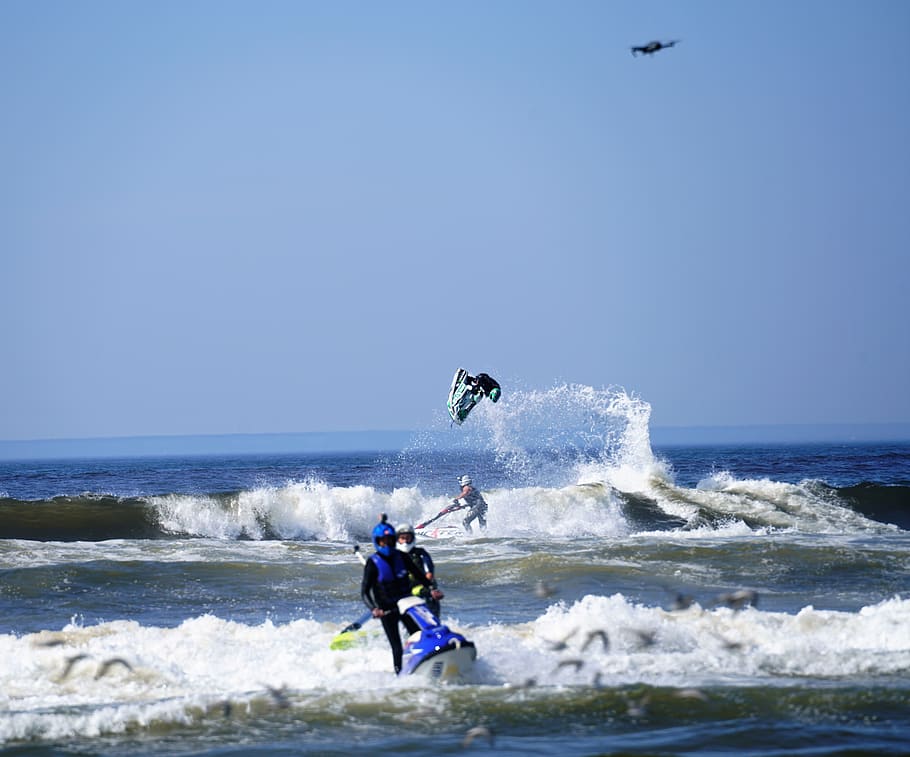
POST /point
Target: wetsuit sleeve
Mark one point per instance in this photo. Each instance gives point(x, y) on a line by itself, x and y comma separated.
point(415, 572)
point(434, 584)
point(370, 576)
point(425, 563)
point(428, 566)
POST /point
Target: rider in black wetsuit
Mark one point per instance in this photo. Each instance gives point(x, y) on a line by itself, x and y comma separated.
point(485, 384)
point(421, 558)
point(386, 579)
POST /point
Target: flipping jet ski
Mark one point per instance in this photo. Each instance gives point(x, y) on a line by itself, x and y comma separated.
point(467, 391)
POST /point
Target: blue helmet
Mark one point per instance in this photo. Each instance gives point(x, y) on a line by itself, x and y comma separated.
point(383, 529)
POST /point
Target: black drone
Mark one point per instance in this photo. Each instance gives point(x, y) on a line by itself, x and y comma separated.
point(653, 47)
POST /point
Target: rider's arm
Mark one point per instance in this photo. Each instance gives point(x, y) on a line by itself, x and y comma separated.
point(435, 592)
point(427, 561)
point(370, 576)
point(416, 573)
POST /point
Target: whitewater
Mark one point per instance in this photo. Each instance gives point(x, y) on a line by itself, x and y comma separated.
point(187, 604)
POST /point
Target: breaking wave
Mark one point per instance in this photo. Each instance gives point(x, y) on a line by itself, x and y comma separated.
point(568, 461)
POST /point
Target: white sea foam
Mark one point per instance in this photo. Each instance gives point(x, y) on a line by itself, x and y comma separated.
point(699, 647)
point(571, 434)
point(19, 553)
point(570, 452)
point(608, 430)
point(178, 674)
point(318, 512)
point(298, 510)
point(778, 504)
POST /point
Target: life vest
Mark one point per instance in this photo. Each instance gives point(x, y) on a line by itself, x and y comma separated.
point(394, 580)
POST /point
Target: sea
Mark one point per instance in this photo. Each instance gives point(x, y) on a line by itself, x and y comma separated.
point(624, 599)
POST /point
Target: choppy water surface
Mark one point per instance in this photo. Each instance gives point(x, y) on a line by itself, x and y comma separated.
point(622, 600)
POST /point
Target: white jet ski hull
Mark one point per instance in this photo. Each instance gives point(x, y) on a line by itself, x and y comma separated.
point(439, 532)
point(435, 651)
point(453, 664)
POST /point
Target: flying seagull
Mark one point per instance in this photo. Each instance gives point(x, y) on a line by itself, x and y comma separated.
point(739, 599)
point(108, 664)
point(70, 662)
point(478, 731)
point(604, 639)
point(653, 47)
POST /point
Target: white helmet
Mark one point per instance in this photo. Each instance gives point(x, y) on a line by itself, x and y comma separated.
point(465, 481)
point(405, 546)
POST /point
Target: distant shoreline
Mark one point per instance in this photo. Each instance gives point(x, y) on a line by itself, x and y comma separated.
point(330, 442)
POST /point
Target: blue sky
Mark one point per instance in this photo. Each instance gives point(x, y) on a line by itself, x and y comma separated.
point(245, 217)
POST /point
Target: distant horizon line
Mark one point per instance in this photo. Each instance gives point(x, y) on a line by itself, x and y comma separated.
point(395, 439)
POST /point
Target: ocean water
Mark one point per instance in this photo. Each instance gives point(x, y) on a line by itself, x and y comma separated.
point(185, 605)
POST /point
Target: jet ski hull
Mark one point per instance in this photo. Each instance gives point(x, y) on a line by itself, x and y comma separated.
point(440, 532)
point(435, 651)
point(453, 663)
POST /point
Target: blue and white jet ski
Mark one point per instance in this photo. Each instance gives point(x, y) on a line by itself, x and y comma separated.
point(434, 651)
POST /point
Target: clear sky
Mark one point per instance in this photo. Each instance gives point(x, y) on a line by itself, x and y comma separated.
point(250, 217)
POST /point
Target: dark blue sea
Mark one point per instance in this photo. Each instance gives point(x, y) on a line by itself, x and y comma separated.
point(751, 599)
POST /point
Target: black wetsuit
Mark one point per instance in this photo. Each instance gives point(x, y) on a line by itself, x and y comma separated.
point(421, 558)
point(385, 595)
point(486, 384)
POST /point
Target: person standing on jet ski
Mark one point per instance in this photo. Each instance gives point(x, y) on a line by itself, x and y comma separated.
point(386, 579)
point(473, 499)
point(421, 558)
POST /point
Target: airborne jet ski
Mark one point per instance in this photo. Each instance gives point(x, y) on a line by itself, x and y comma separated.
point(461, 399)
point(466, 391)
point(434, 651)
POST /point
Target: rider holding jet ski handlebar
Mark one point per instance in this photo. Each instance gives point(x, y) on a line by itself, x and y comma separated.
point(421, 558)
point(386, 579)
point(470, 497)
